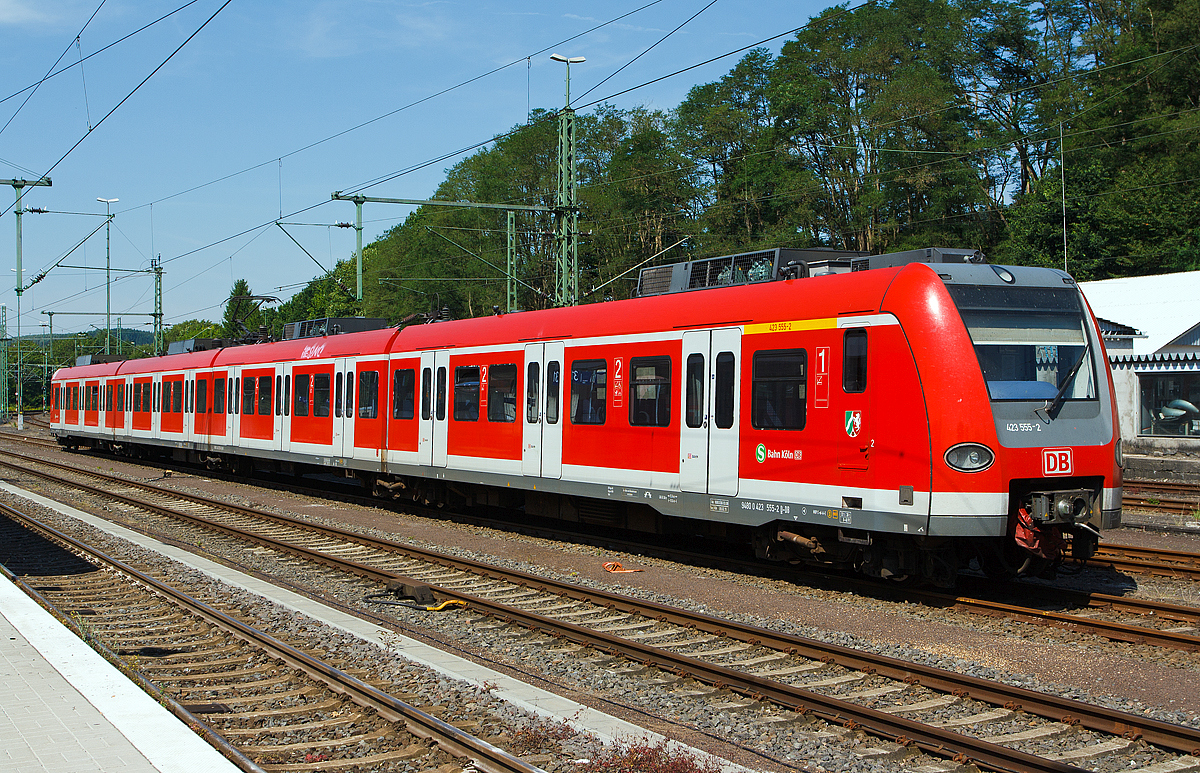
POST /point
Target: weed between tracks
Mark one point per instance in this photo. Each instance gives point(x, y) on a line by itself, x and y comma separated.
point(641, 756)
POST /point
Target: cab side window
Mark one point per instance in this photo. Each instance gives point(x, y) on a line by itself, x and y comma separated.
point(854, 361)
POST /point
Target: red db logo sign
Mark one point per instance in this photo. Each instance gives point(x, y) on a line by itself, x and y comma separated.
point(1056, 461)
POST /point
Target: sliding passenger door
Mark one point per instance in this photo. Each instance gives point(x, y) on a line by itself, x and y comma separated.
point(531, 435)
point(708, 444)
point(441, 406)
point(425, 434)
point(693, 434)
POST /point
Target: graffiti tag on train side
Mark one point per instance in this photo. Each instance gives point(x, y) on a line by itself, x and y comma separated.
point(312, 351)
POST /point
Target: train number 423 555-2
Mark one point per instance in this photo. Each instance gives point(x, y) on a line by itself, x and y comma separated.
point(1022, 427)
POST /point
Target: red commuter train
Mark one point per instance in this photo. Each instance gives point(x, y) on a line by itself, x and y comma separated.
point(904, 420)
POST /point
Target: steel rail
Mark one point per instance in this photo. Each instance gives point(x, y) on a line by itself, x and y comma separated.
point(457, 742)
point(1176, 738)
point(1162, 563)
point(1161, 486)
point(1115, 631)
point(1161, 504)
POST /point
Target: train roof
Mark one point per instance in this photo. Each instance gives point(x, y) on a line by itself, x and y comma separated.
point(816, 297)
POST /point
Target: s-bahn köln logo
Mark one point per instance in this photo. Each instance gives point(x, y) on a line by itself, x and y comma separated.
point(853, 423)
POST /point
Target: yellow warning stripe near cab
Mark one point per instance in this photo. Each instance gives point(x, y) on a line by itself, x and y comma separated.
point(791, 326)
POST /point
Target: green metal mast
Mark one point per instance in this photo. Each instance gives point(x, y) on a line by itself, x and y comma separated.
point(511, 294)
point(4, 363)
point(156, 267)
point(566, 227)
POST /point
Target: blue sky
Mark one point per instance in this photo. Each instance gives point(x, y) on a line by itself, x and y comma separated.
point(262, 82)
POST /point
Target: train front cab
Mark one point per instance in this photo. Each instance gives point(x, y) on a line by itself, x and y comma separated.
point(1023, 425)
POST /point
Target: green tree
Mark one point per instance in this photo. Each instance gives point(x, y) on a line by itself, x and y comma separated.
point(241, 313)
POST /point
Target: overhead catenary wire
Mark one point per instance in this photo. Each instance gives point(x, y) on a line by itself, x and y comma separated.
point(99, 51)
point(127, 96)
point(33, 89)
point(493, 139)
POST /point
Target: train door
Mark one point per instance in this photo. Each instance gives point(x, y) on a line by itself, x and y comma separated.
point(284, 422)
point(441, 407)
point(280, 403)
point(541, 447)
point(425, 435)
point(855, 441)
point(343, 407)
point(531, 434)
point(708, 443)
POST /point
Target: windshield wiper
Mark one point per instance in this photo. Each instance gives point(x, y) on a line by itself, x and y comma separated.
point(1052, 406)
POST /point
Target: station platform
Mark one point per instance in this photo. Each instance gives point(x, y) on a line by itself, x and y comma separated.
point(65, 709)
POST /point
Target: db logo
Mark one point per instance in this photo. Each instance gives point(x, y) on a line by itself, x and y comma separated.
point(1056, 461)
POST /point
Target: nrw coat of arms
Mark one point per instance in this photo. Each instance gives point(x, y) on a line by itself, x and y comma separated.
point(853, 423)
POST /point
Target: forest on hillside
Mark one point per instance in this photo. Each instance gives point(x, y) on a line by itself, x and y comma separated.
point(901, 124)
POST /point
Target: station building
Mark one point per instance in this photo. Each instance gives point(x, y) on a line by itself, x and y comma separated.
point(1151, 329)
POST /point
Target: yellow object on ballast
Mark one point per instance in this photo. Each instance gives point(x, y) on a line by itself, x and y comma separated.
point(615, 567)
point(446, 605)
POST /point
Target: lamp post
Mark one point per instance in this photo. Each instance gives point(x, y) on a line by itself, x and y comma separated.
point(108, 271)
point(45, 366)
point(566, 291)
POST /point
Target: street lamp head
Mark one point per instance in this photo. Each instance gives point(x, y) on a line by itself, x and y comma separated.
point(568, 60)
point(109, 201)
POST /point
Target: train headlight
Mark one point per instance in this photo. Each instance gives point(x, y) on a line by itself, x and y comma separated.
point(970, 457)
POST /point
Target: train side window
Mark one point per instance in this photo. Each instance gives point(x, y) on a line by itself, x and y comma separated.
point(531, 393)
point(466, 393)
point(553, 380)
point(779, 389)
point(441, 394)
point(219, 395)
point(368, 394)
point(264, 395)
point(162, 397)
point(426, 392)
point(650, 380)
point(177, 397)
point(120, 398)
point(248, 396)
point(404, 393)
point(502, 393)
point(230, 396)
point(300, 403)
point(279, 392)
point(75, 398)
point(337, 394)
point(188, 394)
point(202, 396)
point(349, 394)
point(693, 408)
point(108, 398)
point(287, 395)
point(723, 397)
point(321, 394)
point(589, 391)
point(854, 360)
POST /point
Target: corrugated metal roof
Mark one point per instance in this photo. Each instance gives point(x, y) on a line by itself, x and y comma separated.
point(1110, 329)
point(1164, 307)
point(1176, 361)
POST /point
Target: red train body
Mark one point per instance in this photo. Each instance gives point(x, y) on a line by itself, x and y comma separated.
point(904, 421)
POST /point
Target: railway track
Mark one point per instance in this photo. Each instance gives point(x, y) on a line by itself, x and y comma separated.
point(1156, 561)
point(266, 704)
point(1127, 558)
point(806, 681)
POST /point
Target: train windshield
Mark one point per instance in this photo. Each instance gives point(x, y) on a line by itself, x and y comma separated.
point(1030, 341)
